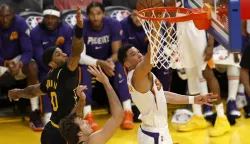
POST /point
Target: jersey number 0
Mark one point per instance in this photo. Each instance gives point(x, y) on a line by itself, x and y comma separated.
point(54, 101)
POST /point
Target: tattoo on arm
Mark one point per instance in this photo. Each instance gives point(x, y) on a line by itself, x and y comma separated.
point(77, 48)
point(31, 91)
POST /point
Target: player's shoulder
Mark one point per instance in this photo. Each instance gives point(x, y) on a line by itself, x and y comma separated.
point(65, 26)
point(110, 21)
point(20, 22)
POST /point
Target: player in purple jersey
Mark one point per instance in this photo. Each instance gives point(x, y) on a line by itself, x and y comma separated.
point(102, 38)
point(50, 32)
point(16, 52)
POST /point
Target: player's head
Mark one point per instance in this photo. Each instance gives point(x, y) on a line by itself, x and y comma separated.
point(54, 57)
point(129, 56)
point(6, 16)
point(51, 17)
point(134, 18)
point(96, 13)
point(72, 128)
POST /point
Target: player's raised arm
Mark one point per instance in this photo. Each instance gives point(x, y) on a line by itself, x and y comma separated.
point(102, 136)
point(77, 42)
point(81, 102)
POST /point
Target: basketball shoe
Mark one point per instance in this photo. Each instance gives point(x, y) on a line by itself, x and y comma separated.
point(221, 127)
point(196, 122)
point(128, 120)
point(35, 121)
point(232, 109)
point(90, 118)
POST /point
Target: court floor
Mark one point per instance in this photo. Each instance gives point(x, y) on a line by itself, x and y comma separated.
point(14, 131)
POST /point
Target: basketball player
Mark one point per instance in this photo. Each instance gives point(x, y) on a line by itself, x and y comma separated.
point(48, 33)
point(103, 38)
point(78, 131)
point(16, 55)
point(198, 66)
point(148, 95)
point(60, 84)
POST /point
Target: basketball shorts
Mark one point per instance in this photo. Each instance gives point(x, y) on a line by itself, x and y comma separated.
point(151, 135)
point(51, 135)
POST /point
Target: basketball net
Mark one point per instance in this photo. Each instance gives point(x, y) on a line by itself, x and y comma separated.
point(164, 39)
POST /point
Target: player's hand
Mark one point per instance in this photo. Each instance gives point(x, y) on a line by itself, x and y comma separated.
point(208, 53)
point(107, 67)
point(14, 94)
point(79, 17)
point(98, 73)
point(80, 93)
point(206, 99)
point(236, 57)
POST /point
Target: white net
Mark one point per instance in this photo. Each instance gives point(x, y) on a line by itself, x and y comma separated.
point(164, 39)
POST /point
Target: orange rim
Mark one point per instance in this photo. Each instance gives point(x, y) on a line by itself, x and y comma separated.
point(192, 14)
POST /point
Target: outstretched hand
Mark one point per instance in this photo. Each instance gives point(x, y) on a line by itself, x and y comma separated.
point(80, 93)
point(98, 73)
point(79, 17)
point(206, 99)
point(14, 94)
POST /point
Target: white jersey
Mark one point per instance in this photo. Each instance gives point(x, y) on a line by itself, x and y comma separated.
point(152, 104)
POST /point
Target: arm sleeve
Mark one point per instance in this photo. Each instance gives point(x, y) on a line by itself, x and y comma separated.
point(245, 59)
point(38, 50)
point(68, 41)
point(25, 43)
point(86, 59)
point(116, 31)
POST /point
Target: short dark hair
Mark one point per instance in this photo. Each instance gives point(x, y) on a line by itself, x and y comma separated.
point(95, 4)
point(69, 129)
point(122, 52)
point(47, 55)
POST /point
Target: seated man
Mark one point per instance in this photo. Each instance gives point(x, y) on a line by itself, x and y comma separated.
point(102, 37)
point(16, 54)
point(49, 32)
point(78, 131)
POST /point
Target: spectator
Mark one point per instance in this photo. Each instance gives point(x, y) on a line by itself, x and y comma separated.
point(49, 32)
point(23, 5)
point(102, 37)
point(71, 4)
point(16, 54)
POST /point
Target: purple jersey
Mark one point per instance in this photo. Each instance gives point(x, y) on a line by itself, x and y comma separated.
point(134, 35)
point(98, 43)
point(43, 38)
point(15, 41)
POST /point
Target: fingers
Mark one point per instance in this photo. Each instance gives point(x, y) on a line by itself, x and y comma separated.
point(97, 71)
point(78, 7)
point(92, 71)
point(100, 69)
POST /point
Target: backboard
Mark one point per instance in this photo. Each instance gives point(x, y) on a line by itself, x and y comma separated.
point(226, 21)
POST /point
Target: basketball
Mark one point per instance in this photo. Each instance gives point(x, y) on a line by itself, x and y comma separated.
point(144, 4)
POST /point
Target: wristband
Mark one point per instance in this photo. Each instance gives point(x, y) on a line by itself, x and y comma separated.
point(190, 99)
point(78, 32)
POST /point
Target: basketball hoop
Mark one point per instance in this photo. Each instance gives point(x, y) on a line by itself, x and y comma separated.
point(164, 35)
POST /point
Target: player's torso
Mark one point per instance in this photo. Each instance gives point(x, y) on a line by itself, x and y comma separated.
point(10, 41)
point(138, 38)
point(98, 43)
point(62, 91)
point(152, 104)
point(49, 38)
